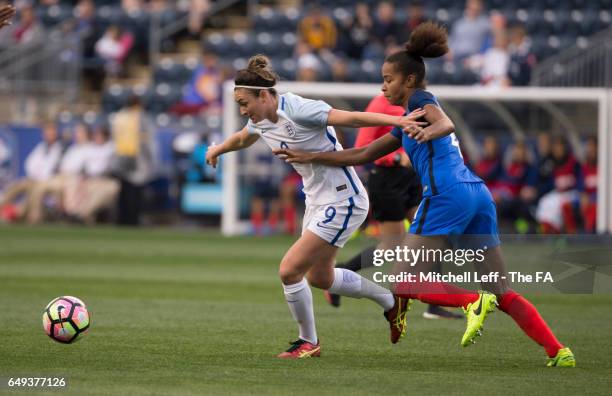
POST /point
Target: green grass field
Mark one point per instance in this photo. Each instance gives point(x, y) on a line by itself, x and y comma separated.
point(190, 313)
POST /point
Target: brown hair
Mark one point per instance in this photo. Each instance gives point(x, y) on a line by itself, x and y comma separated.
point(428, 40)
point(258, 73)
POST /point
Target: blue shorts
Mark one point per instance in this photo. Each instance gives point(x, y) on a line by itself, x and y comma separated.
point(465, 213)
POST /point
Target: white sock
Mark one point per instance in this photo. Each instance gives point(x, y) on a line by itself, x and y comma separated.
point(351, 284)
point(299, 299)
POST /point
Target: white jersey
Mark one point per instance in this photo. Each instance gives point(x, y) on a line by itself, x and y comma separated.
point(302, 125)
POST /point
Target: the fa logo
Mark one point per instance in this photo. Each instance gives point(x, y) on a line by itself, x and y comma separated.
point(290, 129)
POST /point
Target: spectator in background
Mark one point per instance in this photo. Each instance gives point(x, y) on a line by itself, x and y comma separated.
point(469, 33)
point(385, 31)
point(204, 89)
point(545, 165)
point(318, 30)
point(552, 211)
point(490, 167)
point(134, 158)
point(97, 190)
point(497, 23)
point(71, 167)
point(158, 6)
point(515, 195)
point(415, 16)
point(85, 26)
point(114, 48)
point(308, 64)
point(27, 28)
point(522, 60)
point(588, 193)
point(265, 177)
point(40, 165)
point(197, 15)
point(340, 70)
point(132, 7)
point(493, 64)
point(354, 32)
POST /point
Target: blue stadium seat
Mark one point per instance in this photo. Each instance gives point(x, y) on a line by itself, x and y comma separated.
point(588, 26)
point(433, 71)
point(114, 98)
point(604, 20)
point(604, 4)
point(270, 20)
point(219, 44)
point(243, 43)
point(55, 14)
point(464, 76)
point(285, 67)
point(162, 97)
point(556, 4)
point(106, 16)
point(370, 71)
point(269, 43)
point(171, 72)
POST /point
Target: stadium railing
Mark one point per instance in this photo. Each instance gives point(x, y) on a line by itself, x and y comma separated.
point(583, 65)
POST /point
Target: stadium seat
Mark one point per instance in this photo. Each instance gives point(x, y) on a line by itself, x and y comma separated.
point(114, 98)
point(370, 71)
point(162, 97)
point(106, 16)
point(168, 71)
point(55, 14)
point(219, 44)
point(285, 67)
point(243, 43)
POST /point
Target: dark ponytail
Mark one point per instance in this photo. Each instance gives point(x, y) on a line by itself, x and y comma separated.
point(258, 73)
point(428, 40)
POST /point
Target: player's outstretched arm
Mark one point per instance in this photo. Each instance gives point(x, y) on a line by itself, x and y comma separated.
point(439, 125)
point(6, 15)
point(358, 119)
point(237, 141)
point(356, 156)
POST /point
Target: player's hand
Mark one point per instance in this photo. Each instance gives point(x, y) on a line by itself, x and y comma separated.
point(411, 119)
point(211, 156)
point(418, 133)
point(293, 156)
point(6, 14)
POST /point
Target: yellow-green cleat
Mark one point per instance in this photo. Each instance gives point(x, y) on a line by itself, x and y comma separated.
point(564, 358)
point(476, 313)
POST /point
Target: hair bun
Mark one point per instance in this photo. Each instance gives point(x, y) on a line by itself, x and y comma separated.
point(428, 40)
point(258, 62)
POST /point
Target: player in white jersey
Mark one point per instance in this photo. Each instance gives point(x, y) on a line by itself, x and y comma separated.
point(336, 201)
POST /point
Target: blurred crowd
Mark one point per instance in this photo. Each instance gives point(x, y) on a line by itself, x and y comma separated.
point(82, 175)
point(108, 31)
point(544, 188)
point(500, 55)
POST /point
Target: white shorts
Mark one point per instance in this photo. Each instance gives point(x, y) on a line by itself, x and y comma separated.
point(336, 222)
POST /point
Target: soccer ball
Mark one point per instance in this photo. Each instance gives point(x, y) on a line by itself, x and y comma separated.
point(66, 319)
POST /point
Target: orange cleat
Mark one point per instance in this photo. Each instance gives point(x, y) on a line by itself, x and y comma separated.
point(301, 349)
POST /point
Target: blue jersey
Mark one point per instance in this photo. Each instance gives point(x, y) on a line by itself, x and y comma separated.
point(438, 162)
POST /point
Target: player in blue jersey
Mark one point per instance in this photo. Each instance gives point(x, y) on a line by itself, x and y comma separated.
point(457, 208)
